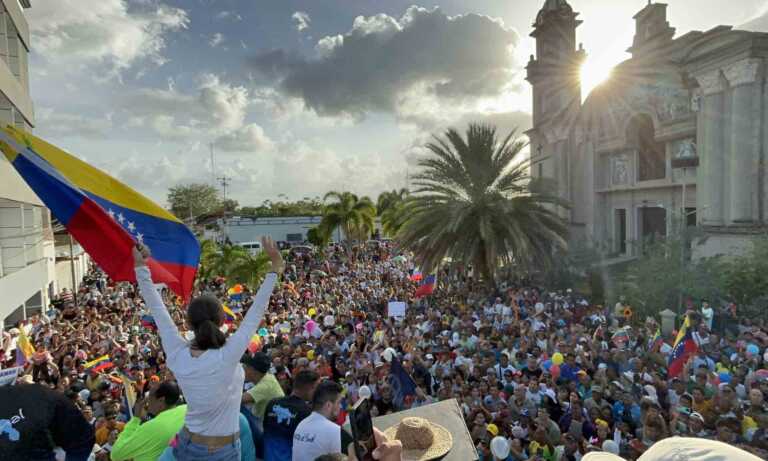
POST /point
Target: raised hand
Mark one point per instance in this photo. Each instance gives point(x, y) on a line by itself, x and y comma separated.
point(270, 247)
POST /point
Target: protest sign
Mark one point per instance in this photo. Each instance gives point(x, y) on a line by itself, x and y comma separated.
point(396, 309)
point(8, 376)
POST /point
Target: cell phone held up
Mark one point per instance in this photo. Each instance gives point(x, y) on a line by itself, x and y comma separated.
point(362, 430)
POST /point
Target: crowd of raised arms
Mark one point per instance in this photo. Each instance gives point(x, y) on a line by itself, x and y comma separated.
point(538, 375)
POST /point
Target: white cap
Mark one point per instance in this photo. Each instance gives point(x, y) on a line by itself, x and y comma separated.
point(500, 447)
point(610, 446)
point(389, 354)
point(364, 392)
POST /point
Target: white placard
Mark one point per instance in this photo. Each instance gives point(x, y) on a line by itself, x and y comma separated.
point(8, 376)
point(396, 309)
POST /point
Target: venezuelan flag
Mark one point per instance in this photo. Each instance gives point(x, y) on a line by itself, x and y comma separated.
point(427, 286)
point(147, 321)
point(684, 347)
point(104, 215)
point(96, 365)
point(24, 348)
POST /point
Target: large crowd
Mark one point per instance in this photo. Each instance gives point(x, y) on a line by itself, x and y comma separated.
point(538, 375)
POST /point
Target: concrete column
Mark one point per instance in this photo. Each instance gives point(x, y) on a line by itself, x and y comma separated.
point(744, 140)
point(711, 175)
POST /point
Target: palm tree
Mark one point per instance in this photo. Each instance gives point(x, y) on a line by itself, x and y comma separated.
point(390, 199)
point(473, 203)
point(249, 269)
point(319, 236)
point(228, 257)
point(208, 249)
point(395, 216)
point(354, 215)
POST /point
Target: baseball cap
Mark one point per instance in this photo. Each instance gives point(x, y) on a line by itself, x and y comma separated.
point(596, 389)
point(492, 429)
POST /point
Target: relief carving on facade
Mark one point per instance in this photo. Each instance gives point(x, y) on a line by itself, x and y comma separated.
point(743, 72)
point(620, 170)
point(668, 102)
point(684, 148)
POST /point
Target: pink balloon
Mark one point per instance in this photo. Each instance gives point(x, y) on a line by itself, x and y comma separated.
point(555, 370)
point(310, 326)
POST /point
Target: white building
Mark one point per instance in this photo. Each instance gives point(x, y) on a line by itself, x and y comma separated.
point(27, 254)
point(283, 229)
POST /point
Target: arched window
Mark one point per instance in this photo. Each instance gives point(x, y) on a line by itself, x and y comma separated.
point(652, 161)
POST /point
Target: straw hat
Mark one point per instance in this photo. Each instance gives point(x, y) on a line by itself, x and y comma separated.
point(422, 440)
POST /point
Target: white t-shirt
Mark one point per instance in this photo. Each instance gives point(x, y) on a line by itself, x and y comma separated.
point(315, 436)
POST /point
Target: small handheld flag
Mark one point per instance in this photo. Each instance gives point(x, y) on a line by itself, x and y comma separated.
point(24, 348)
point(147, 321)
point(229, 316)
point(105, 216)
point(427, 286)
point(684, 347)
point(99, 364)
point(401, 382)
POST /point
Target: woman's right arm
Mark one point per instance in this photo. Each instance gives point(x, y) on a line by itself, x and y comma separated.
point(172, 341)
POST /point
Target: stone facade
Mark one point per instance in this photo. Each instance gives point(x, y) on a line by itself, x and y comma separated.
point(676, 137)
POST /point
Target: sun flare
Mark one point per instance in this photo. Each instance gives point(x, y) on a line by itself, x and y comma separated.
point(592, 74)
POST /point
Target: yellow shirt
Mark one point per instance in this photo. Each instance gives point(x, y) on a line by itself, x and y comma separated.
point(267, 389)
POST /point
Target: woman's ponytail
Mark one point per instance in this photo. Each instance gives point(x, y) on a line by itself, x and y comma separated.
point(205, 317)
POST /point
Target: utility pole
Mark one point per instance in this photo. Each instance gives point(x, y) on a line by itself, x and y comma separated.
point(224, 181)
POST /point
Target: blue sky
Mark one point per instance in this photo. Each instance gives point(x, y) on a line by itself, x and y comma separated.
point(298, 97)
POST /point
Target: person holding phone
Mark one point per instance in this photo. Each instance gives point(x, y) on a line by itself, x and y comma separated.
point(207, 368)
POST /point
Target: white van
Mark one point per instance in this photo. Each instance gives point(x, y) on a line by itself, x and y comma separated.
point(253, 248)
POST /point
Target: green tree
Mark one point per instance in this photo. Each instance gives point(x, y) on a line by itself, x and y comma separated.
point(354, 215)
point(745, 279)
point(249, 269)
point(390, 199)
point(394, 217)
point(473, 204)
point(319, 236)
point(192, 200)
point(208, 250)
point(307, 206)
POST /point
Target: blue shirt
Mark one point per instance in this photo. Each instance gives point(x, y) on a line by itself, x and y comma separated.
point(569, 372)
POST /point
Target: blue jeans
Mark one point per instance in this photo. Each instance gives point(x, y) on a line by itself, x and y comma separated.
point(188, 451)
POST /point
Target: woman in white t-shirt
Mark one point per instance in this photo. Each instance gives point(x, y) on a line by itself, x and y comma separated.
point(207, 368)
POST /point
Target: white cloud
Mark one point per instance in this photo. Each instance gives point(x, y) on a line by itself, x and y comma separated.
point(249, 138)
point(216, 108)
point(229, 15)
point(301, 20)
point(103, 31)
point(216, 40)
point(62, 124)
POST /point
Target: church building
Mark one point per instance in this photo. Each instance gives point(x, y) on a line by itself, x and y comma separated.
point(678, 135)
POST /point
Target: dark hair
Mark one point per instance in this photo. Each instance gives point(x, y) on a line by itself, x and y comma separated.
point(331, 457)
point(169, 392)
point(259, 362)
point(327, 391)
point(304, 379)
point(205, 316)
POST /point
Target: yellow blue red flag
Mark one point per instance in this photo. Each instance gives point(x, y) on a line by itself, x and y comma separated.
point(105, 216)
